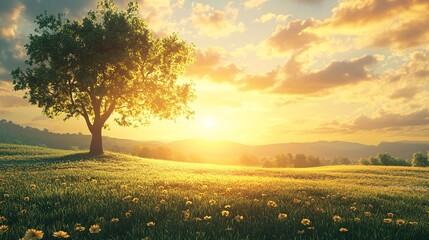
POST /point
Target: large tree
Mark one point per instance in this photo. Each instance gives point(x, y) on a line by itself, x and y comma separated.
point(110, 62)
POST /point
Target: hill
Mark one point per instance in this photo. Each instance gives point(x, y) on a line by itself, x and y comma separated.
point(120, 197)
point(200, 150)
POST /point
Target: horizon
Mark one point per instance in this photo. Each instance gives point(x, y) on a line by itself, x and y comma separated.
point(267, 71)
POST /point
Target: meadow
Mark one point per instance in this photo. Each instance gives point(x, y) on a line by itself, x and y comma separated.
point(67, 194)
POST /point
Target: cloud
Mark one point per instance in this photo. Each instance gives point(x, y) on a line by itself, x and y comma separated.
point(215, 23)
point(271, 16)
point(209, 64)
point(253, 3)
point(258, 81)
point(293, 36)
point(409, 34)
point(406, 93)
point(9, 101)
point(335, 74)
point(9, 19)
point(391, 120)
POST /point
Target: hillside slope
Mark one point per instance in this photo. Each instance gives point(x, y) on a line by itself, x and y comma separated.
point(133, 198)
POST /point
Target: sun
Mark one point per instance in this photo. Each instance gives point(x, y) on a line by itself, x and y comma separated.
point(209, 122)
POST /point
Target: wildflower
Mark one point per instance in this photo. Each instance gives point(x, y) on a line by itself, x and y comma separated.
point(225, 213)
point(400, 221)
point(127, 198)
point(2, 219)
point(26, 199)
point(413, 223)
point(186, 214)
point(390, 214)
point(212, 202)
point(135, 200)
point(94, 181)
point(207, 218)
point(33, 186)
point(114, 220)
point(311, 228)
point(256, 200)
point(227, 206)
point(128, 214)
point(336, 218)
point(6, 195)
point(353, 208)
point(318, 209)
point(157, 208)
point(150, 224)
point(164, 192)
point(263, 195)
point(162, 201)
point(368, 214)
point(95, 228)
point(282, 216)
point(357, 219)
point(61, 234)
point(197, 219)
point(33, 234)
point(23, 211)
point(344, 230)
point(300, 232)
point(114, 191)
point(229, 229)
point(79, 227)
point(124, 187)
point(239, 218)
point(3, 229)
point(271, 204)
point(188, 203)
point(296, 200)
point(305, 222)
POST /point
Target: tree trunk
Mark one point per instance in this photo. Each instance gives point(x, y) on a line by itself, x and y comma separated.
point(96, 147)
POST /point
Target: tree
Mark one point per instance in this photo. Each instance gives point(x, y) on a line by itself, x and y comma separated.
point(419, 160)
point(110, 62)
point(300, 161)
point(386, 159)
point(364, 161)
point(374, 161)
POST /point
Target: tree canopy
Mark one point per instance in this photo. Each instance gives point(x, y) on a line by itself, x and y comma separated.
point(110, 62)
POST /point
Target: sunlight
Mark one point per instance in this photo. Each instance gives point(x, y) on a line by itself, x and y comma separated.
point(209, 122)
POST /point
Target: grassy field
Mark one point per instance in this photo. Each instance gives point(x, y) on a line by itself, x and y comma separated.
point(123, 197)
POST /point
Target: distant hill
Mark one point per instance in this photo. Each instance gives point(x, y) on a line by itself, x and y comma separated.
point(200, 150)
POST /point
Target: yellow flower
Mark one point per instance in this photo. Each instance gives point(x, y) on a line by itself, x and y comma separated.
point(150, 224)
point(368, 214)
point(3, 229)
point(26, 199)
point(162, 201)
point(319, 209)
point(128, 214)
point(225, 213)
point(79, 227)
point(95, 228)
point(336, 218)
point(188, 203)
point(357, 219)
point(390, 214)
point(94, 181)
point(311, 228)
point(124, 187)
point(239, 218)
point(207, 218)
point(227, 206)
point(413, 223)
point(229, 229)
point(33, 234)
point(387, 220)
point(164, 192)
point(344, 230)
point(61, 234)
point(400, 221)
point(2, 218)
point(282, 216)
point(263, 195)
point(23, 211)
point(6, 195)
point(271, 204)
point(353, 208)
point(197, 219)
point(127, 198)
point(296, 200)
point(33, 186)
point(300, 232)
point(212, 202)
point(114, 220)
point(305, 221)
point(186, 214)
point(135, 200)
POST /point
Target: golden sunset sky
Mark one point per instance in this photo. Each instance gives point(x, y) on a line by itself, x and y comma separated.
point(267, 71)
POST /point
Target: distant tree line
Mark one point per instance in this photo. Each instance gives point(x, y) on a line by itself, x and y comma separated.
point(284, 160)
point(384, 159)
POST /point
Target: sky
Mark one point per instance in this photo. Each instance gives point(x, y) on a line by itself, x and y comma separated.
point(266, 71)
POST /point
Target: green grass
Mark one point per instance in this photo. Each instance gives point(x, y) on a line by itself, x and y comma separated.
point(74, 188)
